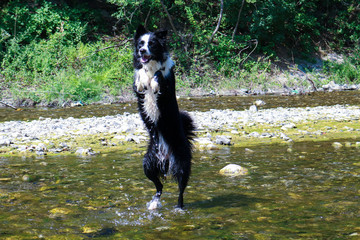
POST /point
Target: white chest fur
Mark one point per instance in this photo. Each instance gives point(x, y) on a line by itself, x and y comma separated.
point(150, 105)
point(144, 79)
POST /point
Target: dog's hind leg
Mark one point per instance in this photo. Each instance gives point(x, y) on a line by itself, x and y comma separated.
point(182, 179)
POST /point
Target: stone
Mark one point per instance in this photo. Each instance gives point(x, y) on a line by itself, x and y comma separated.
point(284, 137)
point(234, 170)
point(223, 140)
point(254, 134)
point(288, 126)
point(259, 103)
point(5, 142)
point(248, 150)
point(337, 145)
point(253, 108)
point(85, 152)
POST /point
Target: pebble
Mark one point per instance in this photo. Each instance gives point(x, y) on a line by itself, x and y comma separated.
point(20, 135)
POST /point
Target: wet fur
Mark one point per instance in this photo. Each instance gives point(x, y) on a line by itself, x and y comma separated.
point(170, 130)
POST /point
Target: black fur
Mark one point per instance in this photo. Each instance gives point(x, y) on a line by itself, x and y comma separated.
point(172, 127)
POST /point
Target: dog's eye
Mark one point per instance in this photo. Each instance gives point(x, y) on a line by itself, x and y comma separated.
point(151, 42)
point(142, 42)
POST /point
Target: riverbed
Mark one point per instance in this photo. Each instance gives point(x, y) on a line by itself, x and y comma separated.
point(81, 177)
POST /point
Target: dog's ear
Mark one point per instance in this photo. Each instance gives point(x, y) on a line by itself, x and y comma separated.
point(161, 34)
point(139, 31)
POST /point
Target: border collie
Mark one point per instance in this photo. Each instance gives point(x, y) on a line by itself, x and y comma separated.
point(170, 130)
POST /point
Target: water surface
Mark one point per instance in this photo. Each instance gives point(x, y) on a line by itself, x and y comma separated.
point(190, 104)
point(310, 192)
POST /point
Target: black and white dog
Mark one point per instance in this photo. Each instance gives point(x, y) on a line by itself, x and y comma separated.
point(170, 131)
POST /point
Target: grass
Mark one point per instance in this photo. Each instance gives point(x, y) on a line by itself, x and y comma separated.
point(56, 71)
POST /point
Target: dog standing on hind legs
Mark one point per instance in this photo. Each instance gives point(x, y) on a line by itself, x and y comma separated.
point(170, 130)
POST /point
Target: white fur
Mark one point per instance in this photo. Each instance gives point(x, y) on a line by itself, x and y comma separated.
point(145, 81)
point(144, 77)
point(163, 149)
point(150, 105)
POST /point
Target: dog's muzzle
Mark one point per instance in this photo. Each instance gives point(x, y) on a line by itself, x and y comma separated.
point(145, 58)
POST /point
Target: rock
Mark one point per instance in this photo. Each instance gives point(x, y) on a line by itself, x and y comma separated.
point(254, 134)
point(253, 108)
point(337, 145)
point(259, 103)
point(29, 178)
point(41, 147)
point(248, 150)
point(59, 212)
point(132, 138)
point(5, 142)
point(288, 126)
point(285, 137)
point(266, 135)
point(223, 140)
point(234, 170)
point(332, 86)
point(85, 152)
point(64, 146)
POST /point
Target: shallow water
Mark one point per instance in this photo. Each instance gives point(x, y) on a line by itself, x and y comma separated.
point(310, 192)
point(190, 104)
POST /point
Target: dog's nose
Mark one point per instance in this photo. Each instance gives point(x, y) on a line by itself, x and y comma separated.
point(142, 50)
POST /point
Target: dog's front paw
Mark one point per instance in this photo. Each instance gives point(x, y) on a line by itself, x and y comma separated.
point(154, 84)
point(140, 87)
point(156, 81)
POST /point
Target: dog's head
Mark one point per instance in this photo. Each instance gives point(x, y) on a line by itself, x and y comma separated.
point(149, 45)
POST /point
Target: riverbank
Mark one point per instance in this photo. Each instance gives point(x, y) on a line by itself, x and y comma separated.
point(284, 78)
point(216, 129)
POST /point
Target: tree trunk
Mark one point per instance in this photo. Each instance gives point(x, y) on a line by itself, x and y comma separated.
point(219, 22)
point(238, 20)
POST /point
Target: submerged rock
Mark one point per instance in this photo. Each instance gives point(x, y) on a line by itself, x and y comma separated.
point(337, 145)
point(234, 170)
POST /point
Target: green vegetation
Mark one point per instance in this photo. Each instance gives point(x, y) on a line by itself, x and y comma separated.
point(59, 51)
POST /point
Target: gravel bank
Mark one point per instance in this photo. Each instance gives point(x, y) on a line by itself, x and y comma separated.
point(31, 135)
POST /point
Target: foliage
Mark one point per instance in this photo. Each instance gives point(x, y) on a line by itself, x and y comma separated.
point(346, 72)
point(65, 50)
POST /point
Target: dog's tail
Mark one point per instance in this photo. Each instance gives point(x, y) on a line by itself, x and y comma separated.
point(189, 126)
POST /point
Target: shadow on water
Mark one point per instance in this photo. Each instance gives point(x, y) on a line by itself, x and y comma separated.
point(310, 192)
point(231, 200)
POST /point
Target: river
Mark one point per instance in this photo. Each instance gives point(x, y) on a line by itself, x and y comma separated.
point(298, 190)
